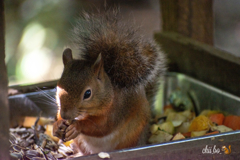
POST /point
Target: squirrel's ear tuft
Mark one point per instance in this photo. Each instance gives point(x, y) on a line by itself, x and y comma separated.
point(98, 67)
point(67, 56)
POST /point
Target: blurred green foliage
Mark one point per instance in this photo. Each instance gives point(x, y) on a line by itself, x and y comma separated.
point(36, 33)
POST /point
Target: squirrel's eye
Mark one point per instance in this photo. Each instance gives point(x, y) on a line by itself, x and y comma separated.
point(87, 94)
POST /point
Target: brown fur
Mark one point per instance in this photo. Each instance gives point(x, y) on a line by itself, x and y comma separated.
point(129, 60)
point(119, 68)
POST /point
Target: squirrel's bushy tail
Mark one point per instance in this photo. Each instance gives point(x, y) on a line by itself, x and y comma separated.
point(128, 59)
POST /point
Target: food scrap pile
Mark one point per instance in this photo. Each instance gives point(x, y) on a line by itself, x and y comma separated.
point(179, 121)
point(36, 142)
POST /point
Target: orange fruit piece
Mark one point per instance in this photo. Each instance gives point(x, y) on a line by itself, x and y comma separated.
point(217, 118)
point(214, 132)
point(200, 123)
point(232, 122)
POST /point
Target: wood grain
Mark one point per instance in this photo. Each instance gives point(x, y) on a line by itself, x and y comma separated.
point(191, 18)
point(201, 61)
point(4, 111)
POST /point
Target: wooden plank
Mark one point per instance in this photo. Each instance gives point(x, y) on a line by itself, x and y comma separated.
point(201, 61)
point(191, 18)
point(169, 14)
point(4, 114)
point(26, 88)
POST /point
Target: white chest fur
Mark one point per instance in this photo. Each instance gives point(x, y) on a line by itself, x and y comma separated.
point(93, 145)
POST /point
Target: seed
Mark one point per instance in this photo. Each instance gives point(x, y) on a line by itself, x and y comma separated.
point(38, 158)
point(69, 122)
point(32, 153)
point(12, 139)
point(17, 148)
point(44, 143)
point(103, 155)
point(16, 155)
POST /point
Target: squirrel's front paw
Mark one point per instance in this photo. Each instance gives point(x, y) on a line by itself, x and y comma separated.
point(72, 131)
point(59, 128)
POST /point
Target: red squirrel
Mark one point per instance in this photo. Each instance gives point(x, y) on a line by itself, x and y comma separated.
point(104, 97)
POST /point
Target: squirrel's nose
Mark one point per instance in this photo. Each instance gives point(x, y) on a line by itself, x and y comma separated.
point(66, 114)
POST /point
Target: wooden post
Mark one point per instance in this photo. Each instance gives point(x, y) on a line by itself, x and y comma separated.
point(187, 39)
point(191, 18)
point(4, 111)
point(201, 61)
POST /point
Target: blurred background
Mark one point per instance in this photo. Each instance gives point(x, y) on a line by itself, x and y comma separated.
point(38, 31)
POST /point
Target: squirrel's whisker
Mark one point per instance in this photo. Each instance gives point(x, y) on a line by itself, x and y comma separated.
point(45, 102)
point(46, 95)
point(49, 101)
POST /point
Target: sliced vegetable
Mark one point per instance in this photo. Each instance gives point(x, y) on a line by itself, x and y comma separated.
point(177, 123)
point(188, 114)
point(232, 122)
point(223, 128)
point(187, 134)
point(214, 132)
point(176, 116)
point(217, 118)
point(183, 128)
point(153, 128)
point(178, 136)
point(167, 126)
point(198, 133)
point(160, 136)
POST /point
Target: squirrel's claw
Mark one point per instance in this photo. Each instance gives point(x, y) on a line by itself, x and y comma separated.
point(71, 132)
point(59, 128)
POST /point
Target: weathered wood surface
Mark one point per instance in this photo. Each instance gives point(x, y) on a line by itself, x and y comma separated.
point(201, 61)
point(4, 112)
point(191, 18)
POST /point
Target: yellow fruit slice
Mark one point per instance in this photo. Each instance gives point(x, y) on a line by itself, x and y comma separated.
point(200, 123)
point(153, 128)
point(198, 133)
point(48, 131)
point(68, 143)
